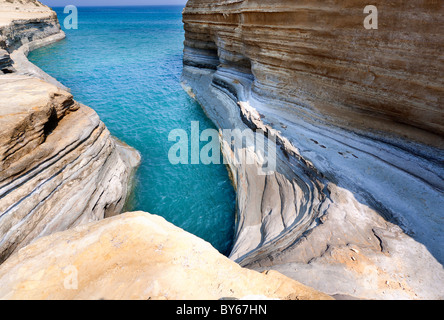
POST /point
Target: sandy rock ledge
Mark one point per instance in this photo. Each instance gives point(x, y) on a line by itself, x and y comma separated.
point(354, 204)
point(136, 256)
point(59, 165)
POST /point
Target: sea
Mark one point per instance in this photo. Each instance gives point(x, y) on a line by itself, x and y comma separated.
point(126, 64)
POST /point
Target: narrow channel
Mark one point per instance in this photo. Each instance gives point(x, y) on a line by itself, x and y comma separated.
point(126, 63)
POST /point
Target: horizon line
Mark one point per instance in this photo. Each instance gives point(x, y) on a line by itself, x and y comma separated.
point(123, 6)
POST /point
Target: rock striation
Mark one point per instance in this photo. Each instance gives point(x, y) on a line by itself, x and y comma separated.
point(5, 62)
point(61, 169)
point(59, 165)
point(354, 205)
point(136, 256)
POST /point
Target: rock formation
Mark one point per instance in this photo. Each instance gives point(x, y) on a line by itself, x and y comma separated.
point(354, 205)
point(5, 62)
point(60, 169)
point(136, 256)
point(59, 165)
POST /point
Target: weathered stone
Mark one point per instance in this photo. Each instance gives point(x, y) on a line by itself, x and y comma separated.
point(5, 62)
point(59, 165)
point(320, 58)
point(358, 119)
point(136, 256)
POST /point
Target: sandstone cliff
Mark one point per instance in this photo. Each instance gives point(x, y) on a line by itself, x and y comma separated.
point(60, 169)
point(59, 165)
point(136, 256)
point(354, 206)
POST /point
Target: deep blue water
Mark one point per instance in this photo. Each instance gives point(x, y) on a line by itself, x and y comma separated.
point(126, 63)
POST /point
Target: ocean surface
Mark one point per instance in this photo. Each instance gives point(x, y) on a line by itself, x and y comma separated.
point(126, 63)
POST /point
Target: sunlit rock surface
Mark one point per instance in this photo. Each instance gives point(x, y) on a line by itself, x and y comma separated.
point(136, 256)
point(59, 165)
point(354, 205)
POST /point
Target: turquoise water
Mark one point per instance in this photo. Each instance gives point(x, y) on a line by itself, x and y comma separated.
point(126, 64)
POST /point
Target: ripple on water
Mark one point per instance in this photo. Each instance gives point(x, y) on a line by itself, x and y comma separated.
point(126, 64)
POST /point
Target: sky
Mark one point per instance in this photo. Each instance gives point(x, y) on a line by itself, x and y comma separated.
point(79, 3)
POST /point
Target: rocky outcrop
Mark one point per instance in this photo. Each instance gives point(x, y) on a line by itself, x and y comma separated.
point(136, 256)
point(354, 204)
point(5, 62)
point(61, 169)
point(323, 59)
point(26, 26)
point(59, 165)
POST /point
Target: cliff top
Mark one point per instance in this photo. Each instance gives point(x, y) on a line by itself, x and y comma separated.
point(136, 256)
point(11, 10)
point(31, 5)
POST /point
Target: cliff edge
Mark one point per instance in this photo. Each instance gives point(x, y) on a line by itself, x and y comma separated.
point(354, 204)
point(136, 256)
point(61, 169)
point(59, 165)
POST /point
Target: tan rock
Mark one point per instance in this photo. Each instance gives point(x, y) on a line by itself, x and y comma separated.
point(319, 57)
point(358, 120)
point(59, 165)
point(11, 10)
point(135, 256)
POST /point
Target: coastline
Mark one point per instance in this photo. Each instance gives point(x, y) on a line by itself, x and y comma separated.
point(24, 66)
point(53, 147)
point(327, 228)
point(313, 218)
point(48, 174)
point(339, 200)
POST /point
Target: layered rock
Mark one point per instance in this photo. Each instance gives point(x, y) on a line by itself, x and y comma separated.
point(5, 62)
point(136, 256)
point(26, 26)
point(354, 205)
point(59, 165)
point(322, 59)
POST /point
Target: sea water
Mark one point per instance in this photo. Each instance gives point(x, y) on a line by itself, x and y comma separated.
point(126, 63)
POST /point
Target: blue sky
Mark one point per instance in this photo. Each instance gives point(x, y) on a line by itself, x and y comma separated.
point(62, 3)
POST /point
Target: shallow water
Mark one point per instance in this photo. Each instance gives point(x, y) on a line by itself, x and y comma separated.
point(126, 63)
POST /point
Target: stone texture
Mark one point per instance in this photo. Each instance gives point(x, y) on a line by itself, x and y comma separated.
point(319, 57)
point(358, 122)
point(59, 165)
point(5, 62)
point(16, 10)
point(25, 26)
point(26, 21)
point(136, 256)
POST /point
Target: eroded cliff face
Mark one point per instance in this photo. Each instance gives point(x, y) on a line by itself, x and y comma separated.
point(318, 56)
point(355, 202)
point(59, 165)
point(136, 256)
